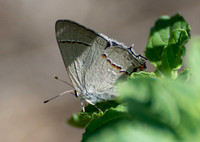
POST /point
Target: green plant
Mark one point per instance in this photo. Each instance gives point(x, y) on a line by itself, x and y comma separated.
point(159, 106)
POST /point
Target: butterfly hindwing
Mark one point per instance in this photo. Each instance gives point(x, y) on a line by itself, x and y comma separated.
point(115, 62)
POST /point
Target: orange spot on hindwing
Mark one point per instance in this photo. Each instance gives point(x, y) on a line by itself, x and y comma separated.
point(113, 65)
point(103, 56)
point(118, 68)
point(126, 73)
point(142, 67)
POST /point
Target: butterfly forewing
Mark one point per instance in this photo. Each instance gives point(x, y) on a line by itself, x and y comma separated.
point(79, 47)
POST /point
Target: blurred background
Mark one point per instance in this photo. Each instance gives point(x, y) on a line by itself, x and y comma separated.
point(29, 57)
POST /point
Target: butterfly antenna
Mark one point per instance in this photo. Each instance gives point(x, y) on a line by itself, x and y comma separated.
point(58, 95)
point(56, 77)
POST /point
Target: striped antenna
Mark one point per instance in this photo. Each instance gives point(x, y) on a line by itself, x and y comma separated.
point(58, 95)
point(56, 77)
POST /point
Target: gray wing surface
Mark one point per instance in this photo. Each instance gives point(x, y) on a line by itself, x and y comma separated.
point(79, 47)
point(104, 72)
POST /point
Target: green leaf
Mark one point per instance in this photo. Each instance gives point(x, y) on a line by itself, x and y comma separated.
point(168, 104)
point(193, 59)
point(110, 116)
point(82, 119)
point(143, 74)
point(149, 99)
point(166, 44)
point(127, 130)
point(184, 76)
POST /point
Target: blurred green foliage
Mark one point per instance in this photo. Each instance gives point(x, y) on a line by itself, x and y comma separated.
point(160, 106)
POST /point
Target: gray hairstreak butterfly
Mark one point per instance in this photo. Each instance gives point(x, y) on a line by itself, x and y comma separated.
point(93, 61)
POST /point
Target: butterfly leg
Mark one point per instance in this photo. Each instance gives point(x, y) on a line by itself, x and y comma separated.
point(83, 105)
point(98, 108)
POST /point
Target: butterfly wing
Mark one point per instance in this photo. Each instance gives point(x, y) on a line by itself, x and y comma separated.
point(79, 47)
point(115, 62)
point(93, 61)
